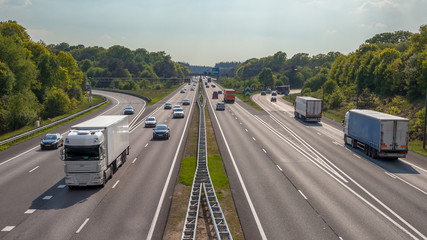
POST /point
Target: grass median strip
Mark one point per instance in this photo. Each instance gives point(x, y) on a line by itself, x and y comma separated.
point(183, 187)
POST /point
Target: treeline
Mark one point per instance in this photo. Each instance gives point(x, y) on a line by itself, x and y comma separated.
point(40, 81)
point(35, 83)
point(132, 69)
point(278, 70)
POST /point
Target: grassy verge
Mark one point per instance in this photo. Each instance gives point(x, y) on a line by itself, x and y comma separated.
point(186, 175)
point(248, 100)
point(25, 138)
point(417, 146)
point(155, 94)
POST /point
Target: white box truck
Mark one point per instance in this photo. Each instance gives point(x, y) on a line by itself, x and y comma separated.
point(94, 149)
point(378, 134)
point(308, 109)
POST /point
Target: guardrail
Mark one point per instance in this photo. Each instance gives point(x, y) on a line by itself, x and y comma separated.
point(202, 182)
point(8, 140)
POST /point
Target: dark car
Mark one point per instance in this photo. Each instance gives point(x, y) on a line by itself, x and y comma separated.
point(274, 93)
point(168, 105)
point(51, 140)
point(129, 110)
point(273, 99)
point(161, 131)
point(220, 106)
point(219, 91)
point(263, 93)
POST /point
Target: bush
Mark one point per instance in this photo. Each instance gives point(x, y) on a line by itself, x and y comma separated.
point(56, 103)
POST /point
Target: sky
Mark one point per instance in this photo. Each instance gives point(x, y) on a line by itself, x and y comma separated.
point(205, 32)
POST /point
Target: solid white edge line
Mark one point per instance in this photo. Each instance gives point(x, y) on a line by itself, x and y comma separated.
point(115, 184)
point(413, 165)
point(302, 194)
point(82, 226)
point(242, 183)
point(165, 187)
point(33, 169)
point(10, 159)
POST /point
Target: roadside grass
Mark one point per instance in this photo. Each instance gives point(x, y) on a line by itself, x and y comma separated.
point(46, 130)
point(417, 146)
point(96, 100)
point(186, 175)
point(153, 93)
point(248, 100)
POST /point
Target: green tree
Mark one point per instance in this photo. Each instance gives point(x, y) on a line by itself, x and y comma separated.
point(56, 103)
point(23, 109)
point(7, 79)
point(266, 77)
point(330, 86)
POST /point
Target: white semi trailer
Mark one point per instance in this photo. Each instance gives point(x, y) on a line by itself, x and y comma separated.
point(94, 149)
point(308, 109)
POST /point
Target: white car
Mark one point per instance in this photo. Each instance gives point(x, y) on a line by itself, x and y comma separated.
point(178, 113)
point(150, 122)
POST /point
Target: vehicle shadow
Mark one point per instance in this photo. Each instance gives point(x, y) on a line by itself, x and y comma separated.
point(60, 196)
point(390, 165)
point(309, 124)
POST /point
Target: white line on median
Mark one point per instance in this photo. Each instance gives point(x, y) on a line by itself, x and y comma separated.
point(134, 160)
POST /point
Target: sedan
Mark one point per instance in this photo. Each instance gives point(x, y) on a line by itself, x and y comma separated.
point(51, 140)
point(161, 131)
point(182, 90)
point(220, 106)
point(129, 110)
point(178, 113)
point(186, 102)
point(150, 122)
point(273, 99)
point(168, 105)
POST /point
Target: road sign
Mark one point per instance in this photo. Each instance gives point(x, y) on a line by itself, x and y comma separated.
point(247, 91)
point(215, 71)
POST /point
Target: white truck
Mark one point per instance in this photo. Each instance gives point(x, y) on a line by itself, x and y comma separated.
point(94, 149)
point(378, 134)
point(308, 109)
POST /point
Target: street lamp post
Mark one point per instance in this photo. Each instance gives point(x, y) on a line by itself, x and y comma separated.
point(425, 109)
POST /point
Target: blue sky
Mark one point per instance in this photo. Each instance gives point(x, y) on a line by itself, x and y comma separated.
point(203, 32)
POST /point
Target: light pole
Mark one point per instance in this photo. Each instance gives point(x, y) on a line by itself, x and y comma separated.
point(425, 109)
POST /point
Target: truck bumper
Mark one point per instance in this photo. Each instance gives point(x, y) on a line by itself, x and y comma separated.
point(391, 155)
point(84, 179)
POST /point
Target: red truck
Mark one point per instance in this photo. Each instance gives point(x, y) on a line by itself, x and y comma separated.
point(229, 95)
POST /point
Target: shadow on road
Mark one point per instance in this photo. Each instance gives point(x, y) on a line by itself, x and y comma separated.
point(60, 196)
point(390, 165)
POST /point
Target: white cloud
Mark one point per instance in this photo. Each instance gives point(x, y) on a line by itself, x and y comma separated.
point(377, 4)
point(16, 3)
point(381, 25)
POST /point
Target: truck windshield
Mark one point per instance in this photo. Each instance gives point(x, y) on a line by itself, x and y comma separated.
point(81, 153)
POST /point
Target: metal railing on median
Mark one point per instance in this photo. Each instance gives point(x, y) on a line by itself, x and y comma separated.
point(202, 182)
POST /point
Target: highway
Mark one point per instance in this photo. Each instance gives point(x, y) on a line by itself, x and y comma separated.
point(293, 180)
point(134, 204)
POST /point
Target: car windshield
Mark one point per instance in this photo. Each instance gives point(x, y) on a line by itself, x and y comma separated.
point(50, 137)
point(161, 127)
point(151, 119)
point(129, 108)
